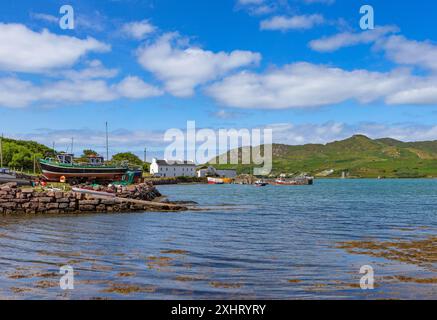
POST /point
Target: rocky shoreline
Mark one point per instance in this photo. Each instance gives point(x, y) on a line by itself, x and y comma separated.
point(16, 200)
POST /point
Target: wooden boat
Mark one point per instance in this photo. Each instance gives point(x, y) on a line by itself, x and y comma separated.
point(95, 169)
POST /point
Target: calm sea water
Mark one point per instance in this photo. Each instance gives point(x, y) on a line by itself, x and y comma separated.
point(246, 242)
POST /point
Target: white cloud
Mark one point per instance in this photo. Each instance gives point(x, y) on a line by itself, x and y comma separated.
point(297, 134)
point(94, 70)
point(24, 50)
point(250, 2)
point(15, 93)
point(91, 22)
point(226, 114)
point(75, 91)
point(410, 52)
point(120, 140)
point(306, 85)
point(44, 17)
point(397, 48)
point(258, 7)
point(135, 88)
point(347, 39)
point(422, 94)
point(319, 1)
point(183, 67)
point(138, 29)
point(284, 23)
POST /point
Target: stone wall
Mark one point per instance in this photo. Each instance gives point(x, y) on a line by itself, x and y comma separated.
point(29, 201)
point(143, 191)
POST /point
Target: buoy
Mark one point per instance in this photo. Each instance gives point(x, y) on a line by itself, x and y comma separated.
point(62, 179)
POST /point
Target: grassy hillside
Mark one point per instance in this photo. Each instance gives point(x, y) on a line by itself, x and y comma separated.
point(358, 156)
point(20, 154)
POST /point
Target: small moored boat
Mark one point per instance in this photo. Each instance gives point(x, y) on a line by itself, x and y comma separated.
point(260, 183)
point(215, 181)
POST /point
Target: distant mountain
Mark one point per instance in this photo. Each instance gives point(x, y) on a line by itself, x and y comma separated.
point(358, 156)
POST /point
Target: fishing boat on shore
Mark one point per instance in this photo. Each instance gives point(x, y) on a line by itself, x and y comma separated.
point(64, 167)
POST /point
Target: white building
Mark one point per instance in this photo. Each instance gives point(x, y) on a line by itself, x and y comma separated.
point(213, 172)
point(164, 168)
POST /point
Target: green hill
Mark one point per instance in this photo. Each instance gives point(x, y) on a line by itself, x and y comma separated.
point(358, 156)
point(20, 154)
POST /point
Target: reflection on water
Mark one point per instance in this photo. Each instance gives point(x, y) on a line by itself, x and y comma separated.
point(272, 242)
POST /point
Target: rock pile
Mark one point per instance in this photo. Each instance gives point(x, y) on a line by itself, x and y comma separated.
point(30, 201)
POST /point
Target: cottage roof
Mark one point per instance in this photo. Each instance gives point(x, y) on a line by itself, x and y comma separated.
point(175, 163)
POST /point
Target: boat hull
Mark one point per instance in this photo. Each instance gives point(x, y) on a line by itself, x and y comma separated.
point(53, 172)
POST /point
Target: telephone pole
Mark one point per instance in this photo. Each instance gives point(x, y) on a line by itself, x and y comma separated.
point(1, 151)
point(107, 144)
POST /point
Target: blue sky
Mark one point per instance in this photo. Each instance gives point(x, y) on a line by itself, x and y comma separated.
point(301, 67)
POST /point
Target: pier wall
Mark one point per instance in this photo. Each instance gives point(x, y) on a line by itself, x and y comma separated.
point(30, 201)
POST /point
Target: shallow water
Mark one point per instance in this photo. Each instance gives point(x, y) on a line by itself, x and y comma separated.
point(277, 242)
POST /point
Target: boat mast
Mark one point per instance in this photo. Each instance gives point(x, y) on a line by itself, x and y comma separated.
point(107, 144)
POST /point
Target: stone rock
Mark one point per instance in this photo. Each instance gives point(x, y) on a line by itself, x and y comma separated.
point(63, 205)
point(59, 194)
point(89, 208)
point(109, 201)
point(101, 208)
point(89, 202)
point(9, 205)
point(52, 205)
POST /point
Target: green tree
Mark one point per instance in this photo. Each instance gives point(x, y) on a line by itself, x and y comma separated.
point(20, 154)
point(87, 153)
point(127, 156)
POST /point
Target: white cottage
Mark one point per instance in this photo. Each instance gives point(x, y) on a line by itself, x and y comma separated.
point(164, 168)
